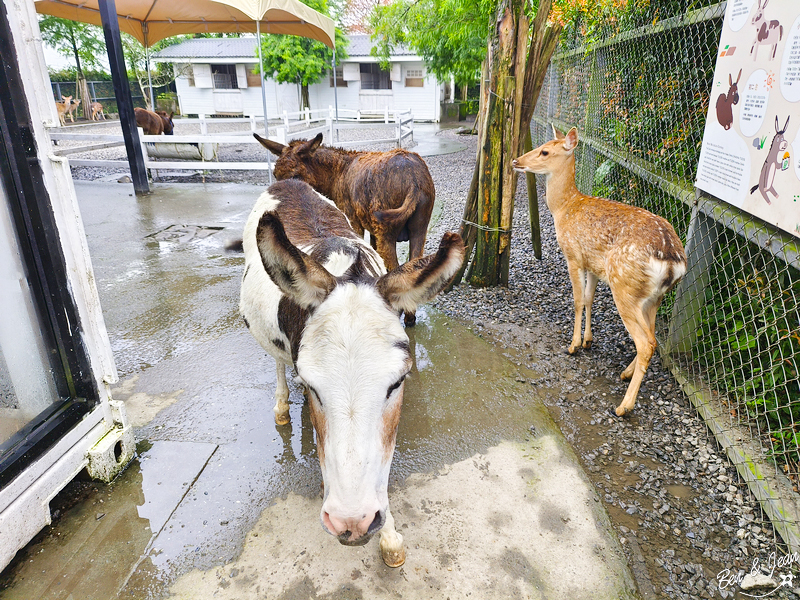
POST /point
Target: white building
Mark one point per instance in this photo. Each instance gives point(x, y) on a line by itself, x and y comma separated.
point(216, 77)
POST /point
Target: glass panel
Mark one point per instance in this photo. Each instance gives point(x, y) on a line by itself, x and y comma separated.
point(27, 385)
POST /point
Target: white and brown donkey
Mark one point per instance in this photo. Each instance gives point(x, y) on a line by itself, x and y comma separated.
point(636, 252)
point(315, 295)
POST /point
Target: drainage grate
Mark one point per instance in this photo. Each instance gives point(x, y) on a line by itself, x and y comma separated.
point(184, 233)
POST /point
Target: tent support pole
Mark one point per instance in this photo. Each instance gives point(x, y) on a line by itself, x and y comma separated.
point(263, 95)
point(335, 94)
point(122, 92)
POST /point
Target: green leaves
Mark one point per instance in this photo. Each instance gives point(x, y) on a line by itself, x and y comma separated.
point(450, 35)
point(293, 59)
point(81, 41)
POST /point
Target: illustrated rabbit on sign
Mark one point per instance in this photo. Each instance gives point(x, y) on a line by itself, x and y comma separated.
point(766, 181)
point(725, 102)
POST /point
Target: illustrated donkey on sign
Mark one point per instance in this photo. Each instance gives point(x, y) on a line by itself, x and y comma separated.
point(725, 102)
point(767, 33)
point(766, 181)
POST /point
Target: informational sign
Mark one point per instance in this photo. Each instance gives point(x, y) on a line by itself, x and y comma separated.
point(751, 145)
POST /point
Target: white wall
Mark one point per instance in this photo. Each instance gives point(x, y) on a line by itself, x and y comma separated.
point(422, 101)
point(195, 100)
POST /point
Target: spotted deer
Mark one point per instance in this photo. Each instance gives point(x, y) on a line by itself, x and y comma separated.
point(636, 252)
point(63, 109)
point(97, 111)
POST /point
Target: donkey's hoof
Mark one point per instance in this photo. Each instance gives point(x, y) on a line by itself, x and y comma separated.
point(393, 558)
point(282, 418)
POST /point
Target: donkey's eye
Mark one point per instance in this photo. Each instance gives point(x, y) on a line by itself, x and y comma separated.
point(315, 394)
point(394, 386)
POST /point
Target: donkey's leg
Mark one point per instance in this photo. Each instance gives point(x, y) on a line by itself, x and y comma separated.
point(588, 298)
point(281, 409)
point(637, 321)
point(392, 551)
point(577, 277)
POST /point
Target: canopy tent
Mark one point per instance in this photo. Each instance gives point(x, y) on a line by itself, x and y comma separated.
point(150, 21)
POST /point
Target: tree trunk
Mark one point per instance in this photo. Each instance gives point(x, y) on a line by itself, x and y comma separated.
point(82, 92)
point(515, 72)
point(304, 97)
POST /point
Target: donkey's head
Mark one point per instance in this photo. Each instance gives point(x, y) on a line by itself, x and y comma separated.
point(295, 159)
point(166, 119)
point(353, 358)
point(758, 16)
point(733, 90)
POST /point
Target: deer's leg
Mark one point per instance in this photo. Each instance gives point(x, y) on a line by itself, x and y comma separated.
point(281, 409)
point(392, 551)
point(628, 372)
point(577, 277)
point(588, 298)
point(637, 321)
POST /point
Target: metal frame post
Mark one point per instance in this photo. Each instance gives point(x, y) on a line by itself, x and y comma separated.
point(263, 96)
point(335, 94)
point(122, 92)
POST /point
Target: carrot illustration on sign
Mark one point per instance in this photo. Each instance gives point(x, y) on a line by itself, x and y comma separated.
point(775, 156)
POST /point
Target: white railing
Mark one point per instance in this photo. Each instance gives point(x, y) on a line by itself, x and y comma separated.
point(312, 122)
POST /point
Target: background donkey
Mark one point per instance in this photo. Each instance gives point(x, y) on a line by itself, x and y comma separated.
point(636, 252)
point(390, 194)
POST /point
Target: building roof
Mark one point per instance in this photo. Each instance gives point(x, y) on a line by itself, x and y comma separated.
point(245, 48)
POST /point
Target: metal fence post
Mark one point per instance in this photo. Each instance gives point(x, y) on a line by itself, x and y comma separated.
point(119, 74)
point(701, 245)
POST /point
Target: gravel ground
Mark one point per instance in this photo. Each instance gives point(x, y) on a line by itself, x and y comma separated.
point(677, 504)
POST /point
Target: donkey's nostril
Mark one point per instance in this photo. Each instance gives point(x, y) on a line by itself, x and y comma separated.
point(376, 524)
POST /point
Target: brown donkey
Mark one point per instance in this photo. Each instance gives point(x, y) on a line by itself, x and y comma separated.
point(390, 194)
point(636, 252)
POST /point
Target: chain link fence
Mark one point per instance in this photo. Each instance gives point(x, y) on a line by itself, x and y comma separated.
point(730, 332)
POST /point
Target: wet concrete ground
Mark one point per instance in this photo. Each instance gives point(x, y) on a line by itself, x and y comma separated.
point(221, 503)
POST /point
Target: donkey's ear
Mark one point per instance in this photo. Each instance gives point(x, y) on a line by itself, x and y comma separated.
point(298, 276)
point(419, 280)
point(274, 147)
point(557, 135)
point(571, 141)
point(311, 145)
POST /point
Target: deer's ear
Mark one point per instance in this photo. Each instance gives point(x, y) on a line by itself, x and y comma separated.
point(557, 135)
point(571, 141)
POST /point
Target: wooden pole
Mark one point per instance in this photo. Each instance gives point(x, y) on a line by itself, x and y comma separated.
point(533, 203)
point(122, 91)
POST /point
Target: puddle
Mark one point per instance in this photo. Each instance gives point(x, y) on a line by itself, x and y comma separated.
point(184, 233)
